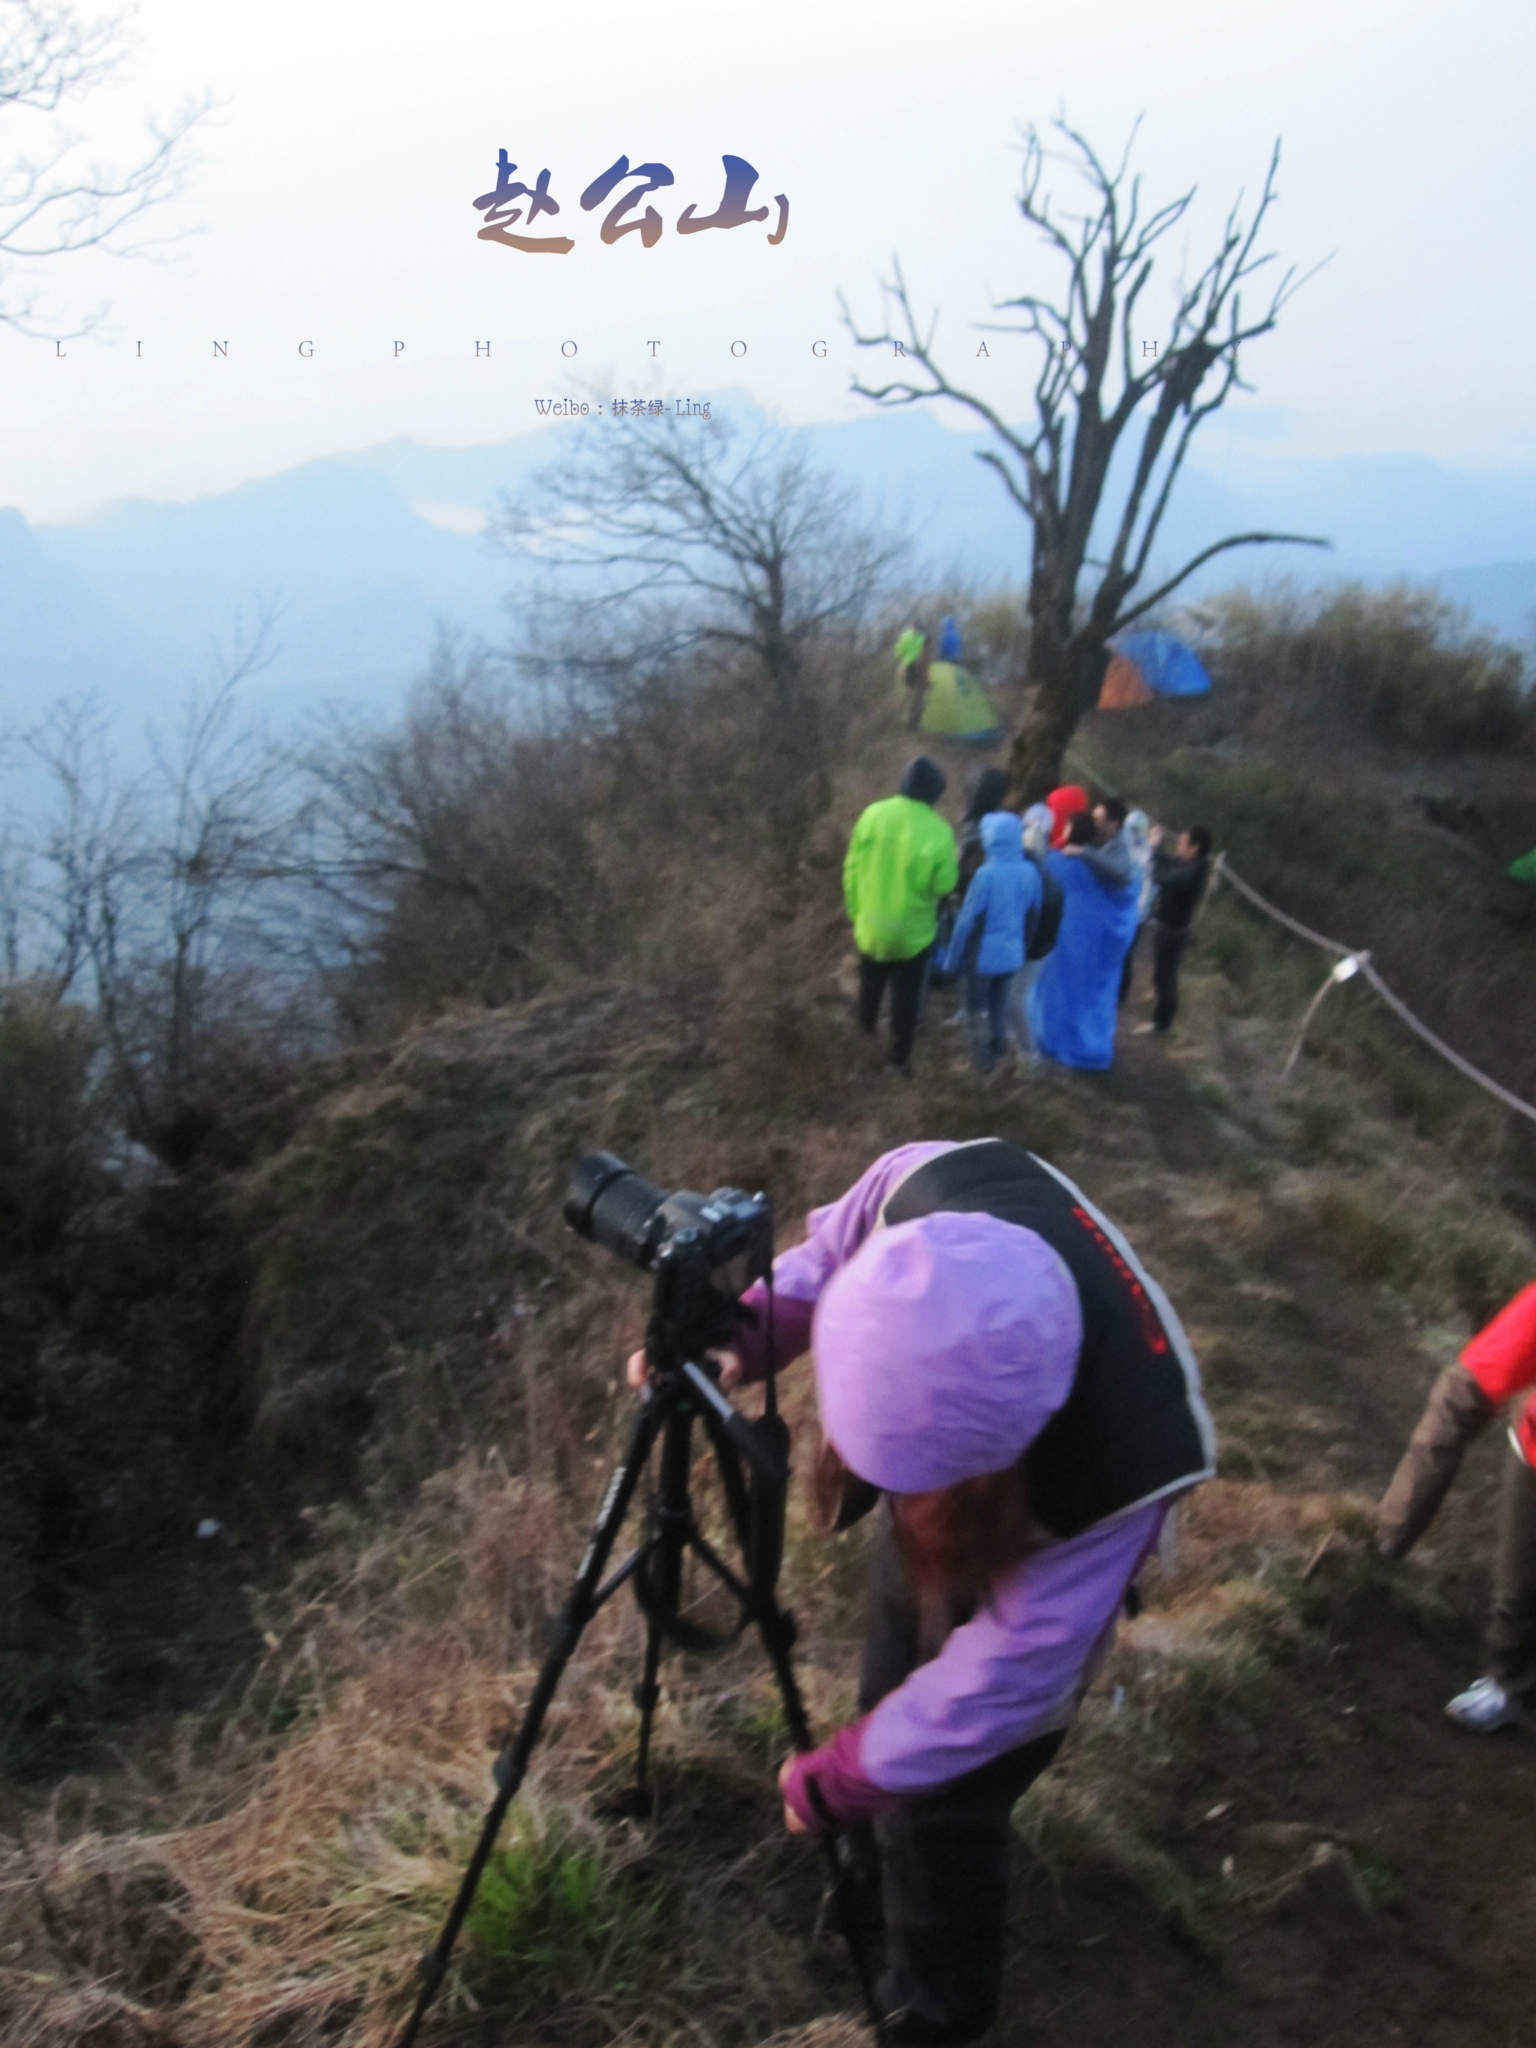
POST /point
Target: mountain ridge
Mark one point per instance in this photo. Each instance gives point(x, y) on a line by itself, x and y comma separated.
point(372, 551)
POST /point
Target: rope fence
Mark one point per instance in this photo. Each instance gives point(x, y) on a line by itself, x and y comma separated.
point(1348, 962)
point(1351, 961)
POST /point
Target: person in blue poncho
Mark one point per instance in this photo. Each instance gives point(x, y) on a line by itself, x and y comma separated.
point(949, 638)
point(1072, 1006)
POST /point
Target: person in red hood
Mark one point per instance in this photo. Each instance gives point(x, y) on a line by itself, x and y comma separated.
point(1063, 805)
point(1498, 1364)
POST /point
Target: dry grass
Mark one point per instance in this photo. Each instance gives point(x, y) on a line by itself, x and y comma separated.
point(277, 1886)
point(278, 1890)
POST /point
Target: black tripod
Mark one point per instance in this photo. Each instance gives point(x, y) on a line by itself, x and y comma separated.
point(752, 1460)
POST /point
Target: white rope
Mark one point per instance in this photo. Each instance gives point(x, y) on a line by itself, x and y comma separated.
point(1351, 960)
point(1362, 962)
point(1341, 970)
point(1401, 1009)
point(1291, 924)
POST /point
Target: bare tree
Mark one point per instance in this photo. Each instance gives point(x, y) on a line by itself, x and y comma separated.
point(164, 897)
point(1095, 376)
point(674, 537)
point(52, 204)
point(443, 847)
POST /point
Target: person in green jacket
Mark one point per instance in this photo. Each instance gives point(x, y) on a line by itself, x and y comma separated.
point(912, 667)
point(901, 864)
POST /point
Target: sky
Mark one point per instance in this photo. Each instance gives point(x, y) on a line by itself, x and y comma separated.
point(331, 205)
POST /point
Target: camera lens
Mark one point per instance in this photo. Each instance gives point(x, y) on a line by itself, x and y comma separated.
point(609, 1203)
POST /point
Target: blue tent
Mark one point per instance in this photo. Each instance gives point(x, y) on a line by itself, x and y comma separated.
point(1148, 665)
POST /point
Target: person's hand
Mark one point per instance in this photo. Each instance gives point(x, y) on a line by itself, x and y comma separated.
point(1155, 836)
point(792, 1820)
point(637, 1372)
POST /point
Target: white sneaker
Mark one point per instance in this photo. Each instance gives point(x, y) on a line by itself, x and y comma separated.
point(1485, 1707)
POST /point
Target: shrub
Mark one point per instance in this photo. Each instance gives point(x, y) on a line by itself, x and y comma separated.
point(52, 1129)
point(551, 1914)
point(1401, 665)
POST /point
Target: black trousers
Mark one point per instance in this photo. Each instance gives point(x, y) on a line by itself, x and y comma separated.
point(1512, 1625)
point(1128, 971)
point(1167, 951)
point(906, 980)
point(944, 1856)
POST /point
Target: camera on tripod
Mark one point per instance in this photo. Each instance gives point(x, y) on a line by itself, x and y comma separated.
point(703, 1250)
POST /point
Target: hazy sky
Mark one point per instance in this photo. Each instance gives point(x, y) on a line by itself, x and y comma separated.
point(332, 205)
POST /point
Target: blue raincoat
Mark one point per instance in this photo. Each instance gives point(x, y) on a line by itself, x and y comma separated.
point(1073, 1004)
point(999, 898)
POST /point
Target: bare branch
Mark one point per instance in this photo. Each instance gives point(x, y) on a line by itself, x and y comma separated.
point(51, 204)
point(1236, 540)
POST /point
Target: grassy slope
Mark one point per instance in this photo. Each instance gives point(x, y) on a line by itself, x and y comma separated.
point(1262, 1828)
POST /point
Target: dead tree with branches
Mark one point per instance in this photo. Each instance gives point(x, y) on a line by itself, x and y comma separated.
point(1094, 379)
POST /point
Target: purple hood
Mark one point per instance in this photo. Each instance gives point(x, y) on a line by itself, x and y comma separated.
point(942, 1348)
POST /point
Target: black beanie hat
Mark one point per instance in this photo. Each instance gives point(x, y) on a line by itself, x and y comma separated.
point(988, 787)
point(923, 780)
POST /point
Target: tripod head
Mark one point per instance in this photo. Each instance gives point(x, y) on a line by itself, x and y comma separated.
point(702, 1252)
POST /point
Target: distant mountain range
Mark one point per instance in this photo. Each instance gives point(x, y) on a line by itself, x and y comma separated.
point(371, 552)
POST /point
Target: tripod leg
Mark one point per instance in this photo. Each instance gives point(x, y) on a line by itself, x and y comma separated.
point(674, 1518)
point(513, 1762)
point(776, 1626)
point(647, 1692)
point(851, 1879)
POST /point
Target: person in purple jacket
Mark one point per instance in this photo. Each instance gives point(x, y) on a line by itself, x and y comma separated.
point(991, 1358)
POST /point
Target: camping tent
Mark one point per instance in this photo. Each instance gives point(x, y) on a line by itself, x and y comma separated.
point(956, 706)
point(1148, 665)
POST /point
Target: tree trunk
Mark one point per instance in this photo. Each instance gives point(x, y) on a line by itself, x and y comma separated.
point(1068, 680)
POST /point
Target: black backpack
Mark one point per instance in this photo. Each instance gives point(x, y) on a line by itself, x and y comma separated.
point(1042, 920)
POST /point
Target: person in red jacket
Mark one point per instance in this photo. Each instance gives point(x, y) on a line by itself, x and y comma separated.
point(1498, 1364)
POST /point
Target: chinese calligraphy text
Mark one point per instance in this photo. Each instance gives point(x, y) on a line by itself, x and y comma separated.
point(504, 209)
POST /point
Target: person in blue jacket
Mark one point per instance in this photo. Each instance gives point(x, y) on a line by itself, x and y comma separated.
point(1072, 1007)
point(949, 638)
point(988, 941)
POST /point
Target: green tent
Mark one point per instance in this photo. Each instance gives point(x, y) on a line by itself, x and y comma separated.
point(957, 707)
point(1524, 869)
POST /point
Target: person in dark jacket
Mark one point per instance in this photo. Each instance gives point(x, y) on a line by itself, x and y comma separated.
point(1179, 879)
point(984, 793)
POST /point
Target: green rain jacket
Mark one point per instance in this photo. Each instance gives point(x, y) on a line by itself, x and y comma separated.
point(901, 864)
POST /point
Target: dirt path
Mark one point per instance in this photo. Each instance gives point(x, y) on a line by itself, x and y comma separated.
point(1361, 1871)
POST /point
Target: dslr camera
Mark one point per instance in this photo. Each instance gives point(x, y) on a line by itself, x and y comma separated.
point(703, 1251)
